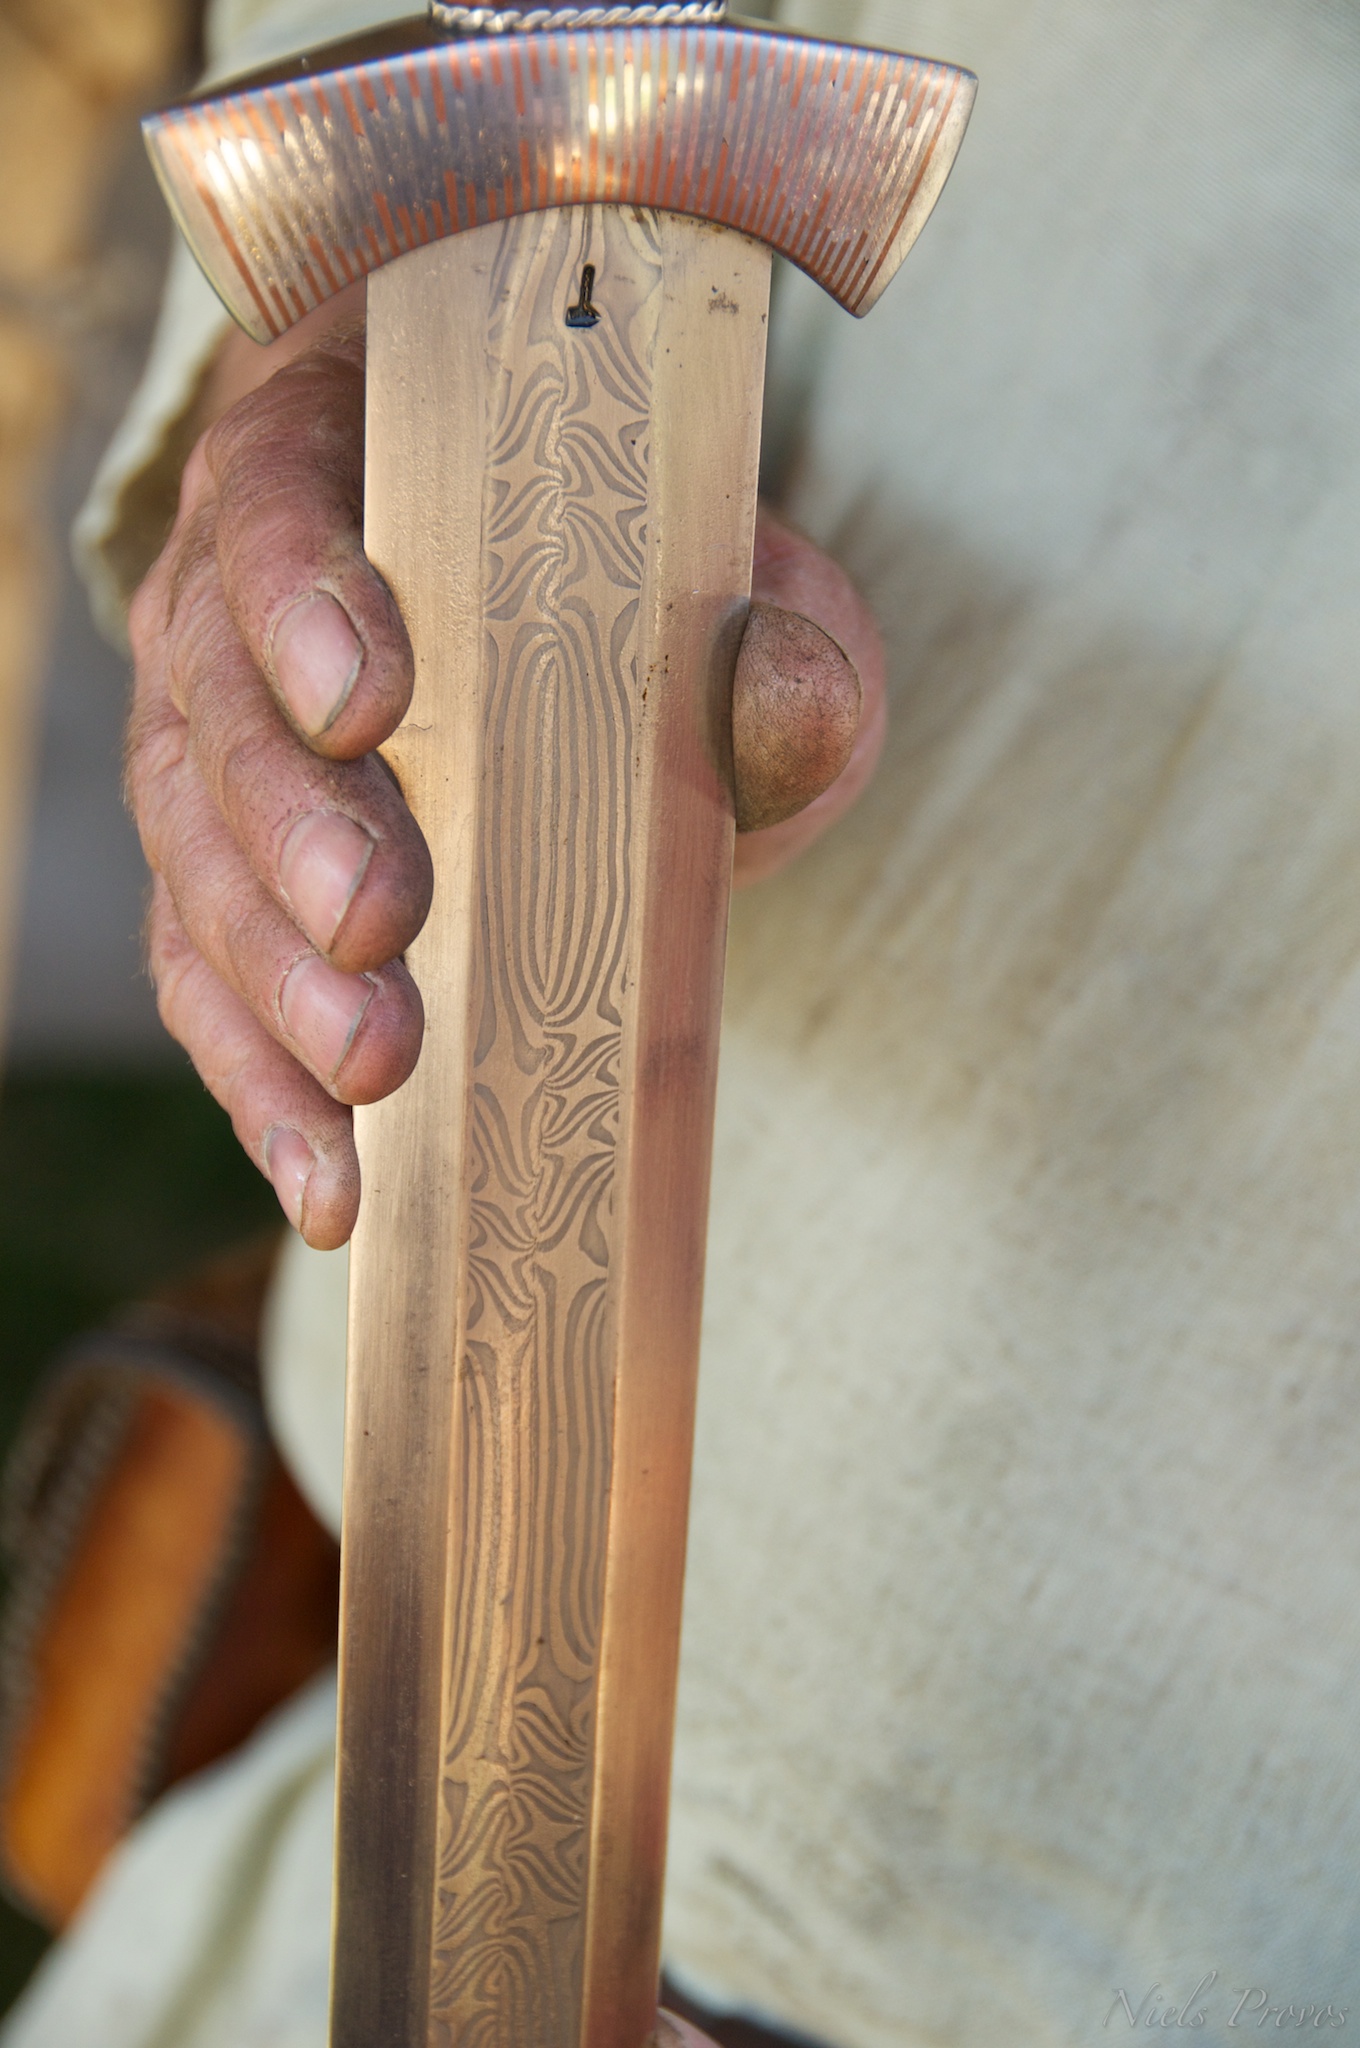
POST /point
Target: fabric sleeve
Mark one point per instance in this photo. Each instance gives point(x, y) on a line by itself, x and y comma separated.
point(131, 502)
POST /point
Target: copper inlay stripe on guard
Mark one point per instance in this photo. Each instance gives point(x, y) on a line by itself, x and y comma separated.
point(875, 277)
point(831, 154)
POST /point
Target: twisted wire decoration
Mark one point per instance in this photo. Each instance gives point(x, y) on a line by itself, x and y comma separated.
point(452, 18)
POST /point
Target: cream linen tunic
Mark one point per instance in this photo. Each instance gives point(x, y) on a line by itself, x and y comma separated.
point(1023, 1613)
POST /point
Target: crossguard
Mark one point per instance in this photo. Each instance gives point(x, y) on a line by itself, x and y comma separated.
point(290, 185)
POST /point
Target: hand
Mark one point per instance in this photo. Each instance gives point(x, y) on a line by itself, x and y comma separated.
point(271, 662)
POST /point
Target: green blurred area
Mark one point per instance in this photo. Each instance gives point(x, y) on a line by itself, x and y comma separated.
point(110, 1183)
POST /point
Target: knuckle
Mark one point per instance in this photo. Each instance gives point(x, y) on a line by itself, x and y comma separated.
point(155, 599)
point(234, 1055)
point(287, 462)
point(197, 480)
point(155, 753)
point(246, 767)
point(249, 930)
point(169, 958)
point(260, 777)
point(306, 415)
point(218, 447)
point(146, 613)
point(200, 637)
point(186, 854)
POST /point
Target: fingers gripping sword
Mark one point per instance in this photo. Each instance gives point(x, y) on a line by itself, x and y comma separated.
point(566, 219)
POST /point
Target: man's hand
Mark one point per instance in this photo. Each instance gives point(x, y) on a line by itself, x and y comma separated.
point(289, 875)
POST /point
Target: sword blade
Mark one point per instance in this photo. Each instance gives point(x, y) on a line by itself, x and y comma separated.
point(565, 514)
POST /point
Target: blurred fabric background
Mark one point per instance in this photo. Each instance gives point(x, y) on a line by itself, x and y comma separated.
point(116, 1170)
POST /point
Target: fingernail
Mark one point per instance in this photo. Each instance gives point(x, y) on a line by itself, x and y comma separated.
point(317, 654)
point(323, 1008)
point(322, 864)
point(289, 1160)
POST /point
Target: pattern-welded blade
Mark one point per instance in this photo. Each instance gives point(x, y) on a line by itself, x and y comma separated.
point(564, 509)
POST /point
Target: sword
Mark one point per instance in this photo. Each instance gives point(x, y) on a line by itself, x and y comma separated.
point(565, 216)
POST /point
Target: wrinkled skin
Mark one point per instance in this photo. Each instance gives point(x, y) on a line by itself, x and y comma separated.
point(271, 662)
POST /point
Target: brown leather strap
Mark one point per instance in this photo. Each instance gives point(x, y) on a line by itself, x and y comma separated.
point(169, 1586)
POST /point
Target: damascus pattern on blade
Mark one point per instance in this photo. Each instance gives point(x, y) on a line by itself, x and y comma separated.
point(564, 512)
